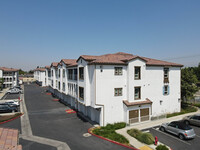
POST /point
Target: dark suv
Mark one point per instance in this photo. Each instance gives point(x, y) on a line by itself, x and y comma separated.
point(6, 108)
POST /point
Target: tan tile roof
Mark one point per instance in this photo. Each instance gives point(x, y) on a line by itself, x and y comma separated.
point(127, 103)
point(9, 69)
point(9, 139)
point(123, 58)
point(69, 62)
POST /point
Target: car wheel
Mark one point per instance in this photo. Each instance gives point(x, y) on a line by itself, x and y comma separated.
point(187, 122)
point(181, 136)
point(162, 129)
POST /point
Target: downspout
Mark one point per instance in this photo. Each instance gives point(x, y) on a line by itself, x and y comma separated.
point(95, 97)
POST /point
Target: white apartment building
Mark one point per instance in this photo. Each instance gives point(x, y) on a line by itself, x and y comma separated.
point(40, 76)
point(118, 87)
point(10, 76)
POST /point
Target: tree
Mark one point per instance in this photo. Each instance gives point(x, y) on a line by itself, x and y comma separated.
point(197, 71)
point(21, 72)
point(31, 72)
point(188, 83)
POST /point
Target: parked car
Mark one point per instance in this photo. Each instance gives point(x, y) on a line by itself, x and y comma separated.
point(16, 102)
point(7, 109)
point(14, 91)
point(18, 87)
point(193, 120)
point(179, 128)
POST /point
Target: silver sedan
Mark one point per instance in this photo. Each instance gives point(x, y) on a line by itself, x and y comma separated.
point(194, 120)
point(182, 130)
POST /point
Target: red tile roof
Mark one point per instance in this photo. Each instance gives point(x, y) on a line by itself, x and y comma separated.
point(47, 67)
point(9, 69)
point(127, 103)
point(54, 64)
point(123, 58)
point(40, 69)
point(69, 62)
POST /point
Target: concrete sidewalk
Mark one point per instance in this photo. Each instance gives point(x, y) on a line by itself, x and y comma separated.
point(3, 92)
point(147, 125)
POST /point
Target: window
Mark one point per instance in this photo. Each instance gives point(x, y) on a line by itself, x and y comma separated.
point(81, 73)
point(118, 91)
point(49, 73)
point(195, 117)
point(75, 74)
point(59, 85)
point(137, 73)
point(52, 83)
point(81, 92)
point(70, 74)
point(137, 92)
point(118, 70)
point(166, 90)
point(59, 73)
point(63, 86)
point(166, 75)
point(63, 73)
point(52, 73)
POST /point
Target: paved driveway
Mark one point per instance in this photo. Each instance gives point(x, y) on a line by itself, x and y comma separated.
point(174, 142)
point(48, 119)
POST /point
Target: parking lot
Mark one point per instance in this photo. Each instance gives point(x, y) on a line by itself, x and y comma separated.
point(174, 142)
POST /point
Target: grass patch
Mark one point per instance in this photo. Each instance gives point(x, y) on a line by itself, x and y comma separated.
point(8, 117)
point(109, 132)
point(146, 138)
point(185, 108)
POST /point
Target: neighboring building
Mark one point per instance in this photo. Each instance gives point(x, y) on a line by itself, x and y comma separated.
point(47, 75)
point(27, 78)
point(40, 76)
point(118, 87)
point(10, 76)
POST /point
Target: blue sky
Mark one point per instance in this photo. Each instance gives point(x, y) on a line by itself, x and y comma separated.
point(38, 32)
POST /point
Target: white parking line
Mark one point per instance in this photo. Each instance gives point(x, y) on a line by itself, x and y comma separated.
point(173, 137)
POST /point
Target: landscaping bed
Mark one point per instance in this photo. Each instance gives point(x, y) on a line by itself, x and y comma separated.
point(5, 117)
point(146, 138)
point(109, 132)
point(185, 108)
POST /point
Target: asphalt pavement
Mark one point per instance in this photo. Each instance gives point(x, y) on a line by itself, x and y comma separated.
point(174, 142)
point(48, 119)
point(16, 124)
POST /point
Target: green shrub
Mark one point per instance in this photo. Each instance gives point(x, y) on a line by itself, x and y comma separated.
point(185, 109)
point(197, 105)
point(134, 132)
point(119, 125)
point(109, 132)
point(162, 147)
point(146, 138)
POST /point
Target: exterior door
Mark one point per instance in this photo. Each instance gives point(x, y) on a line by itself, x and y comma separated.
point(133, 116)
point(144, 114)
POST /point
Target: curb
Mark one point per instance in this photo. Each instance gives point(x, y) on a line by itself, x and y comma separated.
point(11, 119)
point(111, 140)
